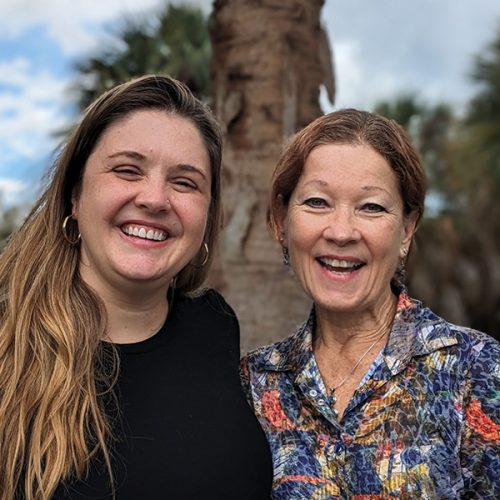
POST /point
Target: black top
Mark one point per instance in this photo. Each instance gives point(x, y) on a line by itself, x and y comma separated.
point(186, 430)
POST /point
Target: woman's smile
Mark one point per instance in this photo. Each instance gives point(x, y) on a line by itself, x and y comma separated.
point(143, 204)
point(144, 232)
point(340, 266)
point(344, 228)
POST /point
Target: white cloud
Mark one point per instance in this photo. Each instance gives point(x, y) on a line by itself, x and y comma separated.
point(400, 46)
point(11, 191)
point(73, 24)
point(358, 85)
point(66, 22)
point(378, 55)
point(30, 109)
point(33, 101)
point(348, 81)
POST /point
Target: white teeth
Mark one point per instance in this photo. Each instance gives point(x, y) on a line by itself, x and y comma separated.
point(141, 232)
point(339, 263)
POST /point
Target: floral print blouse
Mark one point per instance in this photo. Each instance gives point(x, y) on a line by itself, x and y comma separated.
point(423, 423)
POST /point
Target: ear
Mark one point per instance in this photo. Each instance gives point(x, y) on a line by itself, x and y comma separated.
point(281, 212)
point(409, 228)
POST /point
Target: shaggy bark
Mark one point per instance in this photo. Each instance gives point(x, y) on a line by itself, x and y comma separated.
point(270, 58)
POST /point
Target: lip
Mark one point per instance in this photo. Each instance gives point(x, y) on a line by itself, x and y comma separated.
point(342, 276)
point(144, 223)
point(348, 258)
point(147, 225)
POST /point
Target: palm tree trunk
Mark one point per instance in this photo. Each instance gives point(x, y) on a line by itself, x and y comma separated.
point(270, 58)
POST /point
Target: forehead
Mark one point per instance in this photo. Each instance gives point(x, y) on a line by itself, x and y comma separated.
point(155, 123)
point(155, 135)
point(354, 164)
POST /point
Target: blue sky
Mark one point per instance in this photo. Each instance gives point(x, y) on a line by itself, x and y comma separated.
point(381, 49)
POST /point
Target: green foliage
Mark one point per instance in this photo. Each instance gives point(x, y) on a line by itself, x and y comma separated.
point(176, 43)
point(459, 249)
point(482, 123)
point(430, 128)
point(403, 109)
point(485, 107)
point(461, 157)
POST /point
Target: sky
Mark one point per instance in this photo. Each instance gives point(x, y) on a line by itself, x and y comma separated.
point(381, 49)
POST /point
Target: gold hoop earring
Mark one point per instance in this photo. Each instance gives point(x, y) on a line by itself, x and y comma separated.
point(207, 253)
point(205, 260)
point(65, 229)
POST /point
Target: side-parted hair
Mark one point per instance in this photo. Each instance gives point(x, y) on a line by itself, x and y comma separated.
point(349, 126)
point(54, 369)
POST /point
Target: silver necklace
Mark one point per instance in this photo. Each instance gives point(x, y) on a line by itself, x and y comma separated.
point(351, 373)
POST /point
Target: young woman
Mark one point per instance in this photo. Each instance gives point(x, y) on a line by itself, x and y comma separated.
point(115, 378)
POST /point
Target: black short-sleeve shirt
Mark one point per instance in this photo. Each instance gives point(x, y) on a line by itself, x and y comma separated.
point(185, 430)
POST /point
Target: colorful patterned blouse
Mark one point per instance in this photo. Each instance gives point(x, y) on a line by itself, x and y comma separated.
point(423, 423)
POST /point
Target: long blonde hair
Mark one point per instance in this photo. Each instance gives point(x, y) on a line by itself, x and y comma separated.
point(53, 368)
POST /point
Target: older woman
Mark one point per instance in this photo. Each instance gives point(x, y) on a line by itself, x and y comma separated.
point(115, 379)
point(374, 396)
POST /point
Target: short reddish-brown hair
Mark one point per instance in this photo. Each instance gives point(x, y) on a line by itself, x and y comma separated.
point(350, 126)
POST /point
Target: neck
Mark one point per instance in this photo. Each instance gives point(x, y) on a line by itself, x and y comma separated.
point(345, 346)
point(133, 314)
point(131, 321)
point(135, 309)
point(352, 332)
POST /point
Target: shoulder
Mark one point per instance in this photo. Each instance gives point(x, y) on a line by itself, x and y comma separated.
point(474, 345)
point(209, 320)
point(285, 355)
point(258, 358)
point(473, 353)
point(433, 333)
point(207, 310)
point(480, 355)
point(262, 368)
point(207, 301)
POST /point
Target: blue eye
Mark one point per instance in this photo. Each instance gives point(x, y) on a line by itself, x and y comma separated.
point(373, 208)
point(315, 202)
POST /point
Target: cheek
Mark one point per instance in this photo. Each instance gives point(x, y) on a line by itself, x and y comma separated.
point(91, 206)
point(301, 243)
point(388, 248)
point(302, 234)
point(89, 195)
point(201, 226)
point(194, 214)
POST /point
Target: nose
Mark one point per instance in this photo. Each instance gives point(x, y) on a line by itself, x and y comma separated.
point(153, 196)
point(341, 227)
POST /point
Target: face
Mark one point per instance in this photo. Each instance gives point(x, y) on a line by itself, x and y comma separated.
point(143, 204)
point(344, 228)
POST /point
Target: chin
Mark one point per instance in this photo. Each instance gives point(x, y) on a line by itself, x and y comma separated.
point(340, 304)
point(145, 276)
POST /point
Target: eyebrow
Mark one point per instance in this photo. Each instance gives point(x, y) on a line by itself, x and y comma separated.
point(316, 181)
point(135, 155)
point(364, 188)
point(186, 167)
point(130, 154)
point(376, 188)
point(372, 188)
